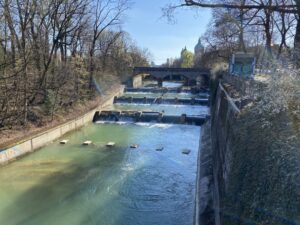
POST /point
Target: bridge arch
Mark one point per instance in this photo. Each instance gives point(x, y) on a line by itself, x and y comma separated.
point(191, 76)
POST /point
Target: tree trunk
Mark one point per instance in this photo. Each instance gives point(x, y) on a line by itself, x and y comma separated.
point(91, 66)
point(91, 72)
point(242, 46)
point(297, 41)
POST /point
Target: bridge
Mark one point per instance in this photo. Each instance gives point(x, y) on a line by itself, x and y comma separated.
point(191, 76)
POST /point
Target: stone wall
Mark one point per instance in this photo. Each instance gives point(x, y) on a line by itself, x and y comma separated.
point(223, 117)
point(249, 172)
point(215, 156)
point(38, 141)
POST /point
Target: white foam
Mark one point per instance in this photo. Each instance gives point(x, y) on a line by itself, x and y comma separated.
point(128, 167)
point(114, 122)
point(131, 104)
point(155, 125)
point(143, 124)
point(161, 125)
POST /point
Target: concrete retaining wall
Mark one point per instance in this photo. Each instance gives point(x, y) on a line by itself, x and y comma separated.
point(38, 141)
point(160, 100)
point(224, 113)
point(215, 157)
point(137, 81)
point(244, 172)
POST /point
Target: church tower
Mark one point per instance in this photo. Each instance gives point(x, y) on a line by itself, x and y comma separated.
point(199, 49)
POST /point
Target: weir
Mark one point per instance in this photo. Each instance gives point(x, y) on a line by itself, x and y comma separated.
point(167, 90)
point(143, 116)
point(161, 100)
point(147, 177)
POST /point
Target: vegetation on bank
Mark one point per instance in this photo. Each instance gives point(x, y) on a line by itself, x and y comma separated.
point(55, 55)
point(263, 183)
point(262, 149)
point(262, 152)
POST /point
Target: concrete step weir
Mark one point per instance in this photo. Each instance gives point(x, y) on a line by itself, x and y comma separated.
point(166, 90)
point(155, 90)
point(147, 117)
point(160, 100)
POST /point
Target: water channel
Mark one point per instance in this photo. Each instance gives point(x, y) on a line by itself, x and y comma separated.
point(95, 185)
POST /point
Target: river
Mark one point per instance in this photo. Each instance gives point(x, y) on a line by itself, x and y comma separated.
point(96, 185)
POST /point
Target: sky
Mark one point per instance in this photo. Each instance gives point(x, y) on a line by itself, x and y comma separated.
point(147, 27)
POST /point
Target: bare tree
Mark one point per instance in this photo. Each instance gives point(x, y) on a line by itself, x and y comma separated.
point(106, 14)
point(284, 22)
point(48, 53)
point(268, 7)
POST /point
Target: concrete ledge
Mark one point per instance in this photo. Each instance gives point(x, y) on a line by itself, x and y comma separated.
point(169, 90)
point(223, 116)
point(229, 99)
point(145, 116)
point(35, 142)
point(160, 100)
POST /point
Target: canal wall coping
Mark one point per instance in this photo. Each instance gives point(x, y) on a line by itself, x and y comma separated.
point(36, 142)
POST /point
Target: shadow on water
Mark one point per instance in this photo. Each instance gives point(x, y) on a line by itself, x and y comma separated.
point(56, 190)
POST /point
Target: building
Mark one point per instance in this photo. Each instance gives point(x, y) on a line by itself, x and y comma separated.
point(199, 49)
point(242, 64)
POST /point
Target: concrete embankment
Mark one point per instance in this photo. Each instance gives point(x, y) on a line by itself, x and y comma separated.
point(212, 163)
point(249, 172)
point(160, 100)
point(35, 142)
point(165, 90)
point(148, 117)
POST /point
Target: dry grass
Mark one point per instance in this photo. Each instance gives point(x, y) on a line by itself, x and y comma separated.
point(263, 185)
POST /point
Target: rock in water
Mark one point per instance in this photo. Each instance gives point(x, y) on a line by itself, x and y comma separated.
point(63, 142)
point(186, 151)
point(134, 146)
point(87, 142)
point(110, 144)
point(159, 149)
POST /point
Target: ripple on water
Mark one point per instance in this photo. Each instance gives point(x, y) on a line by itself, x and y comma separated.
point(152, 190)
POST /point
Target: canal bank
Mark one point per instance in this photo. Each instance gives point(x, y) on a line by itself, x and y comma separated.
point(249, 164)
point(37, 141)
point(147, 176)
point(214, 162)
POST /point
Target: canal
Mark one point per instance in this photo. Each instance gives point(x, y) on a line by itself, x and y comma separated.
point(74, 184)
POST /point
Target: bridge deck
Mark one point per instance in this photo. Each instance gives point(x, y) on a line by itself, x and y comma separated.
point(167, 69)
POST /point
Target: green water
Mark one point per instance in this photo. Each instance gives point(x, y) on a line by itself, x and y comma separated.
point(168, 109)
point(94, 185)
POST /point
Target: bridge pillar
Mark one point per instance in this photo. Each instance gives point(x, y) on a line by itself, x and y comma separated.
point(186, 82)
point(160, 82)
point(137, 81)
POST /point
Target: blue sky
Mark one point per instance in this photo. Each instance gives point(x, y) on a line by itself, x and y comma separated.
point(164, 39)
